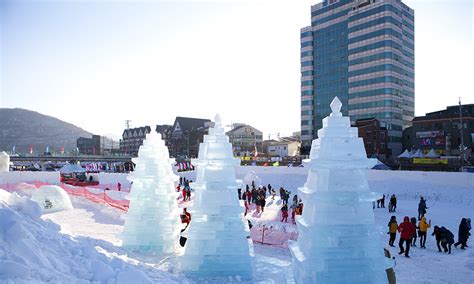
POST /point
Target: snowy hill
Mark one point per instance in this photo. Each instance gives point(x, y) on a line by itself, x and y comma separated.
point(22, 128)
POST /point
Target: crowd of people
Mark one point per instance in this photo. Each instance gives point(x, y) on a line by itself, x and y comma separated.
point(185, 189)
point(257, 196)
point(409, 230)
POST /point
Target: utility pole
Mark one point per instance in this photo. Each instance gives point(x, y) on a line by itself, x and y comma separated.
point(461, 147)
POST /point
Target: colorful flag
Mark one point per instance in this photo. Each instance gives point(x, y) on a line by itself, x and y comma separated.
point(62, 149)
point(256, 153)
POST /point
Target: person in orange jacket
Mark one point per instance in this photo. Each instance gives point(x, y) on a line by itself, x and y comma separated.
point(422, 230)
point(406, 229)
point(392, 230)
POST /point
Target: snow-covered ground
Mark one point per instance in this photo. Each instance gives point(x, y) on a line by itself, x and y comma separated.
point(89, 247)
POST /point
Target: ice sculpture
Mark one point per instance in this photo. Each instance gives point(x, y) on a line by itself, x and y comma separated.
point(338, 241)
point(152, 221)
point(217, 245)
point(52, 198)
point(4, 162)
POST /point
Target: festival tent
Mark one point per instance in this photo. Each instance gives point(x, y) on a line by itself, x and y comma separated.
point(432, 154)
point(71, 168)
point(380, 166)
point(417, 154)
point(405, 154)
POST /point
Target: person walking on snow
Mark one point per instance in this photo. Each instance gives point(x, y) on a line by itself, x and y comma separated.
point(382, 201)
point(413, 239)
point(284, 213)
point(249, 196)
point(438, 235)
point(406, 230)
point(463, 234)
point(188, 194)
point(422, 230)
point(392, 230)
point(246, 204)
point(421, 208)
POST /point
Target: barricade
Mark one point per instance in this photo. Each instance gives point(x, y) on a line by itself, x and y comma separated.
point(101, 197)
point(273, 233)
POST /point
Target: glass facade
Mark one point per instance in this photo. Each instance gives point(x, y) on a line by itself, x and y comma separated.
point(362, 52)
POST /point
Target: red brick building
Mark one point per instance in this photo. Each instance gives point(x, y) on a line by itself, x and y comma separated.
point(375, 136)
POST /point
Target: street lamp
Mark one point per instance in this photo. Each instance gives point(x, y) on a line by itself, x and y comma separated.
point(461, 147)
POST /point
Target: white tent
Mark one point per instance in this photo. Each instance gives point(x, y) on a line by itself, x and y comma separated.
point(71, 168)
point(52, 198)
point(432, 154)
point(417, 154)
point(405, 154)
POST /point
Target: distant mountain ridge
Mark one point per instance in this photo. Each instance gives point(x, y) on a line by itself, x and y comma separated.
point(24, 128)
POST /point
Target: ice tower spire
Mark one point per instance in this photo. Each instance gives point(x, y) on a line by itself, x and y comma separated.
point(152, 221)
point(338, 241)
point(217, 245)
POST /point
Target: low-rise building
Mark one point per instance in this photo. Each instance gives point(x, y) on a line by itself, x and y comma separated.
point(245, 139)
point(132, 139)
point(441, 131)
point(89, 146)
point(285, 147)
point(375, 136)
point(185, 136)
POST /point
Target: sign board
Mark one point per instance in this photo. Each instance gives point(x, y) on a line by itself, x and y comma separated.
point(429, 161)
point(429, 134)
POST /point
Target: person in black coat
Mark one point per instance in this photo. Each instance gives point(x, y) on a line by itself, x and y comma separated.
point(463, 234)
point(447, 239)
point(438, 235)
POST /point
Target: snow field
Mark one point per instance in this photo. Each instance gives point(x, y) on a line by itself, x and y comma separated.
point(88, 237)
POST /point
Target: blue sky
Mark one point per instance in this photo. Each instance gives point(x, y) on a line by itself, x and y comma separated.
point(97, 63)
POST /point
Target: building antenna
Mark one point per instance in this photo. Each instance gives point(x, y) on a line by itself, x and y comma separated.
point(127, 123)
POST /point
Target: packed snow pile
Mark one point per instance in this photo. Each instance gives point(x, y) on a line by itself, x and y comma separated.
point(4, 162)
point(33, 250)
point(51, 198)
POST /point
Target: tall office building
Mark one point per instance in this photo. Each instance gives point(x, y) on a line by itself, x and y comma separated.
point(363, 52)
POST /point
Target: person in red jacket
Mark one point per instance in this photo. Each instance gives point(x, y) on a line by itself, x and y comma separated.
point(406, 229)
